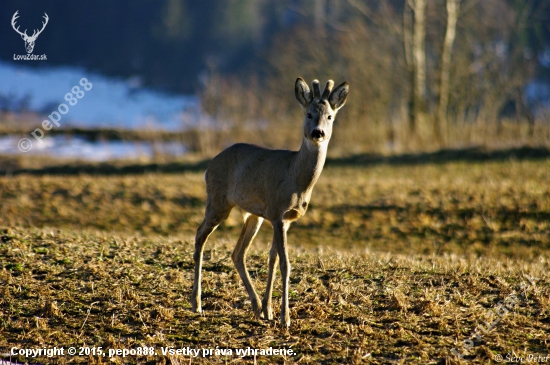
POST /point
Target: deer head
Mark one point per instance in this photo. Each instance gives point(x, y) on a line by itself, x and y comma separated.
point(29, 41)
point(320, 109)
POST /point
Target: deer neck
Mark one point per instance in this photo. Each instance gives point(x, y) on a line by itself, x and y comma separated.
point(309, 163)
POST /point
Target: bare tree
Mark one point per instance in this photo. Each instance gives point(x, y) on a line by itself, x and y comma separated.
point(414, 40)
point(419, 53)
point(453, 7)
point(407, 43)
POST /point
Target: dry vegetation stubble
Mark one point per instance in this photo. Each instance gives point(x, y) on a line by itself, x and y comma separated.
point(390, 265)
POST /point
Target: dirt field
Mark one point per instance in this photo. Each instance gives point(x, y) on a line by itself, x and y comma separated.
point(427, 263)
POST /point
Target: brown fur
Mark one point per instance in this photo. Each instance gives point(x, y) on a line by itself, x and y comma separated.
point(268, 184)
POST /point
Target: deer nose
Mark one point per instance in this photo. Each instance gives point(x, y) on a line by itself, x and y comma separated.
point(317, 134)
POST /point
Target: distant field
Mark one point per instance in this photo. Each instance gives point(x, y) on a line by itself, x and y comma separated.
point(391, 264)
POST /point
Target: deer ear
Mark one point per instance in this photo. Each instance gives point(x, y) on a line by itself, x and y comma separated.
point(303, 94)
point(338, 96)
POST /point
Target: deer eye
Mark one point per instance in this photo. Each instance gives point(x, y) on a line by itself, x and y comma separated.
point(309, 116)
point(330, 117)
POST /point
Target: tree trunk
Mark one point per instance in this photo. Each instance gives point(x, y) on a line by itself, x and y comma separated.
point(407, 44)
point(453, 7)
point(419, 52)
point(417, 101)
point(524, 113)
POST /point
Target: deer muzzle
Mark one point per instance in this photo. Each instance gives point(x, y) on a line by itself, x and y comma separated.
point(317, 134)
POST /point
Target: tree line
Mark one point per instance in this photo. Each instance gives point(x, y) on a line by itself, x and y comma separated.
point(423, 73)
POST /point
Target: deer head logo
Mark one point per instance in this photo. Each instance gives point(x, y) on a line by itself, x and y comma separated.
point(29, 41)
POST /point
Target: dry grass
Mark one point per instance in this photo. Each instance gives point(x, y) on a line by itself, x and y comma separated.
point(360, 127)
point(390, 265)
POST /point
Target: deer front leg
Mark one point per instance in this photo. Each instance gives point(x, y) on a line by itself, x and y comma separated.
point(251, 226)
point(279, 239)
point(272, 263)
point(205, 229)
point(213, 216)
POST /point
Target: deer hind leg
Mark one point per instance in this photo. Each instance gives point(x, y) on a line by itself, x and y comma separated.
point(272, 264)
point(252, 224)
point(214, 215)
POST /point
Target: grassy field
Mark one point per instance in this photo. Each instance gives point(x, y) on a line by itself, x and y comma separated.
point(391, 264)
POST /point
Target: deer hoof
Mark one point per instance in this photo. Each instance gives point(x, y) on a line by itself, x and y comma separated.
point(267, 312)
point(197, 308)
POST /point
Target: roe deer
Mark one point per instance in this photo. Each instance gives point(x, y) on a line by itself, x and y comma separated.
point(268, 184)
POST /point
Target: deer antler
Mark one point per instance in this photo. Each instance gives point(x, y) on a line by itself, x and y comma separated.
point(34, 34)
point(328, 89)
point(316, 90)
point(13, 19)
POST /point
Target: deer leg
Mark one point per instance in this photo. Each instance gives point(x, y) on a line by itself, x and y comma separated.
point(272, 263)
point(280, 240)
point(252, 224)
point(211, 221)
